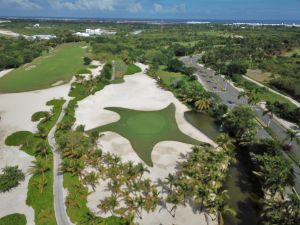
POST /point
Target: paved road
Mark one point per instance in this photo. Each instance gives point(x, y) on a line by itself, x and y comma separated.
point(59, 201)
point(229, 95)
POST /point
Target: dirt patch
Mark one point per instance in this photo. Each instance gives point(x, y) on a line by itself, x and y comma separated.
point(260, 75)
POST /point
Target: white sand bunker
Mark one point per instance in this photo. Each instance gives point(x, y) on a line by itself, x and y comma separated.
point(16, 111)
point(140, 92)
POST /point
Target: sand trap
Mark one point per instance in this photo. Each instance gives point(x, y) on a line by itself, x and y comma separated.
point(9, 33)
point(96, 71)
point(30, 67)
point(139, 92)
point(57, 83)
point(16, 111)
point(4, 72)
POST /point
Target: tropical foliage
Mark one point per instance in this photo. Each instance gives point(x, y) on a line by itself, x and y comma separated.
point(11, 177)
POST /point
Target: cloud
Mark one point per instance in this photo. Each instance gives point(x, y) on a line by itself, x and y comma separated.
point(158, 8)
point(23, 4)
point(85, 4)
point(135, 7)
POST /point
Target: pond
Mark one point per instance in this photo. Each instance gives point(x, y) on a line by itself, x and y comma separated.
point(243, 195)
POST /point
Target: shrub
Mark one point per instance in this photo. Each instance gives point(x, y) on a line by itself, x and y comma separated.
point(10, 178)
point(18, 138)
point(13, 219)
point(87, 61)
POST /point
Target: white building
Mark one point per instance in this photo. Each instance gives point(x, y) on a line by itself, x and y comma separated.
point(36, 25)
point(43, 37)
point(94, 32)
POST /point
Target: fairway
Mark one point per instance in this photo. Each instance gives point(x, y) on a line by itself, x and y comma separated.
point(59, 65)
point(144, 129)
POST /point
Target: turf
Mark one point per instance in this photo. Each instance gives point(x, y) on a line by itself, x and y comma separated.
point(144, 129)
point(13, 219)
point(132, 69)
point(59, 65)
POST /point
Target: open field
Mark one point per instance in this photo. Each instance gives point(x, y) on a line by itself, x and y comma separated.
point(45, 71)
point(144, 129)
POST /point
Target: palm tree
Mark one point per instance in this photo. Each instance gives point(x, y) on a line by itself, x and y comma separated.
point(109, 204)
point(171, 181)
point(40, 166)
point(202, 104)
point(42, 149)
point(91, 179)
point(175, 199)
point(45, 215)
point(271, 110)
point(292, 135)
point(141, 169)
point(41, 184)
point(224, 141)
point(252, 96)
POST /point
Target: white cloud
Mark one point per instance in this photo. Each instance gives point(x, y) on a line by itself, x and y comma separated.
point(85, 4)
point(132, 6)
point(135, 7)
point(158, 8)
point(23, 4)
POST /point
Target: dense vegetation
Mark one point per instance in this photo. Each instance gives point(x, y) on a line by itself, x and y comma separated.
point(11, 177)
point(13, 52)
point(13, 219)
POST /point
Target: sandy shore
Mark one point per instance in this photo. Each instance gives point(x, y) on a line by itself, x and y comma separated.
point(16, 111)
point(139, 92)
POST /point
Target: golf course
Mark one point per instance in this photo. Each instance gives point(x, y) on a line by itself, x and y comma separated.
point(144, 129)
point(56, 67)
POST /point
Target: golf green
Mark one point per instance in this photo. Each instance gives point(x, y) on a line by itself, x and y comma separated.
point(144, 129)
point(58, 66)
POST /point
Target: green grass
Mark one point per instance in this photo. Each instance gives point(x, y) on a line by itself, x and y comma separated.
point(38, 116)
point(13, 219)
point(60, 65)
point(132, 69)
point(18, 138)
point(264, 94)
point(144, 129)
point(169, 77)
point(84, 71)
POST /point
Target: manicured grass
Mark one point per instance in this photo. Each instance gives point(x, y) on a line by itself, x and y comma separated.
point(18, 138)
point(169, 77)
point(13, 219)
point(132, 69)
point(38, 115)
point(60, 65)
point(84, 71)
point(144, 129)
point(264, 94)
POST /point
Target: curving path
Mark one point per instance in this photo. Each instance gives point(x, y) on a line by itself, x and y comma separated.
point(58, 188)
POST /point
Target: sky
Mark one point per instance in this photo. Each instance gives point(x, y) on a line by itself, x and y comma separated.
point(156, 9)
